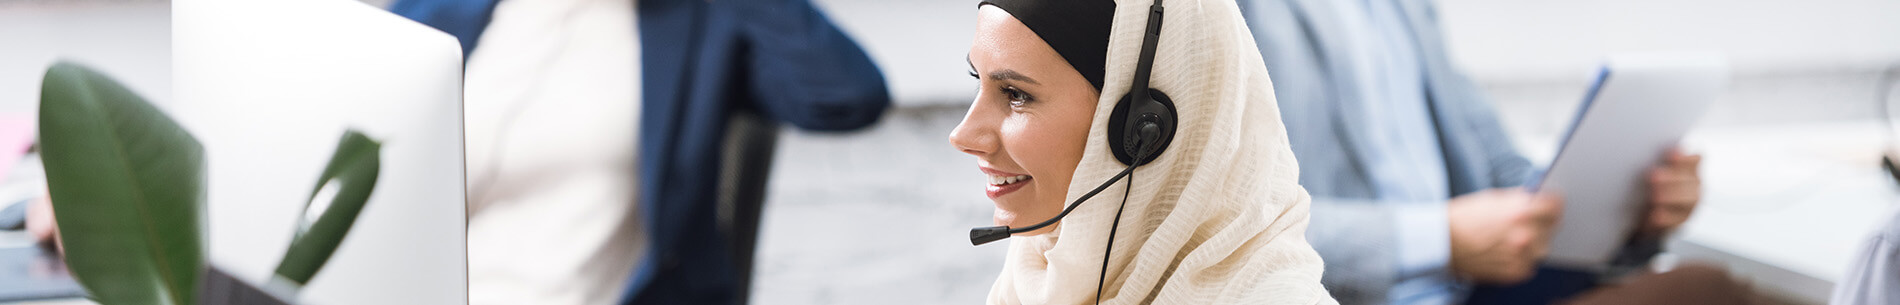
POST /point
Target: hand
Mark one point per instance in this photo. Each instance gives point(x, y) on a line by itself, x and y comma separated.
point(1498, 235)
point(1674, 189)
point(39, 221)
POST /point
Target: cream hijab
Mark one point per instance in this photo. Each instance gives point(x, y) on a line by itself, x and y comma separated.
point(1219, 218)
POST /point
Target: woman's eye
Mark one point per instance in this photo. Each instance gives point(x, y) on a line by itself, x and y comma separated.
point(1016, 97)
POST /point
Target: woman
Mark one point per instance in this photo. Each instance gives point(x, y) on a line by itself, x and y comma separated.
point(1216, 218)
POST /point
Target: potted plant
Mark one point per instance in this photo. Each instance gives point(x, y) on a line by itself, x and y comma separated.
point(127, 185)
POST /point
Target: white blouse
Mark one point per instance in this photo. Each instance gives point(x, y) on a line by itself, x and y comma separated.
point(551, 105)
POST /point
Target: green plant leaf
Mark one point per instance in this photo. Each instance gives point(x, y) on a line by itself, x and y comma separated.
point(351, 175)
point(127, 186)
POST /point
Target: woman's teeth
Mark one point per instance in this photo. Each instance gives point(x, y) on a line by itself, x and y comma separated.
point(1007, 180)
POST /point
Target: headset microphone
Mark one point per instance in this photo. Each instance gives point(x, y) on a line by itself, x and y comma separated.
point(983, 235)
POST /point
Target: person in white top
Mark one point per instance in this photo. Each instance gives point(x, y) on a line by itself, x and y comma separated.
point(551, 113)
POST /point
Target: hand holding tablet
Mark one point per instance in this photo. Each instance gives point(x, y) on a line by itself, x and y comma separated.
point(1638, 110)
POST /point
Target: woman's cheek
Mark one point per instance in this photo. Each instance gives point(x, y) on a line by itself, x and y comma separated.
point(1022, 137)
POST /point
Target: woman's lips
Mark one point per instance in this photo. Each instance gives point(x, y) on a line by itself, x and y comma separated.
point(996, 191)
point(1002, 183)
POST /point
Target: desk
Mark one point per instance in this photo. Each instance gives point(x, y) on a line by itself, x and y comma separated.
point(1787, 207)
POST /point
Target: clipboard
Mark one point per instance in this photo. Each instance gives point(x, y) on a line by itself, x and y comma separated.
point(1639, 107)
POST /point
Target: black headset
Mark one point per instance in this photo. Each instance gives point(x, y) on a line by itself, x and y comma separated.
point(1139, 129)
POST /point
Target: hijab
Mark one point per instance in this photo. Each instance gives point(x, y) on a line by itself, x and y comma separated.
point(1219, 218)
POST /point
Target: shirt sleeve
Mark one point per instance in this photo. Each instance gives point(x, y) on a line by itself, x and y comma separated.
point(1424, 255)
point(1362, 242)
point(1873, 278)
point(804, 70)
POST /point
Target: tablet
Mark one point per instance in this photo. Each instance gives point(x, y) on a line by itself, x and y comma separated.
point(1639, 107)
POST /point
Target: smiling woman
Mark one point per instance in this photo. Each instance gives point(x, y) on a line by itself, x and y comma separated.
point(1215, 218)
point(1031, 101)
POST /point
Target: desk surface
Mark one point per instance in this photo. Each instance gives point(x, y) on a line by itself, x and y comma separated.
point(1789, 206)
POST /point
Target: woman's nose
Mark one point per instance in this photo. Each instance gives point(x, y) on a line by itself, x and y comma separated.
point(976, 135)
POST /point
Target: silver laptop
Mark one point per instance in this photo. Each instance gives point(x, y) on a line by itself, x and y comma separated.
point(269, 86)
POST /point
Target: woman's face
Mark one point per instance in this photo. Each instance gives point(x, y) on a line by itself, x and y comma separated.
point(1029, 121)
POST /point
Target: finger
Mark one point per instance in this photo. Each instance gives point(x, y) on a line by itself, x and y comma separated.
point(1679, 199)
point(1537, 245)
point(1524, 252)
point(1684, 161)
point(1668, 185)
point(1674, 195)
point(1669, 175)
point(1674, 198)
point(39, 220)
point(1546, 209)
point(1665, 221)
point(1537, 252)
point(1667, 215)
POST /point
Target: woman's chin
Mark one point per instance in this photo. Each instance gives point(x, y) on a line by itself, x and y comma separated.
point(1004, 218)
point(1013, 220)
point(1010, 209)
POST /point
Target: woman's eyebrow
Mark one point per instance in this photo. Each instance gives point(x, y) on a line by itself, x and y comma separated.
point(1004, 74)
point(1007, 74)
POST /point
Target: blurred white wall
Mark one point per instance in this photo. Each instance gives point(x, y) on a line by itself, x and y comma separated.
point(1793, 60)
point(1507, 39)
point(1526, 51)
point(920, 44)
point(129, 40)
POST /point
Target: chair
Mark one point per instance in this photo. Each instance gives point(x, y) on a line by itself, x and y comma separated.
point(745, 164)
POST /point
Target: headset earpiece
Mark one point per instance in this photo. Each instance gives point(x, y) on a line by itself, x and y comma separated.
point(1129, 125)
point(1126, 137)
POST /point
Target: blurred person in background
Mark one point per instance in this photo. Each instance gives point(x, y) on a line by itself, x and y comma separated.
point(594, 130)
point(1874, 277)
point(1216, 218)
point(1416, 185)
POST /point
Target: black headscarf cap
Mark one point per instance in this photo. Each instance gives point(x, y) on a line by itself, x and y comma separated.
point(1077, 29)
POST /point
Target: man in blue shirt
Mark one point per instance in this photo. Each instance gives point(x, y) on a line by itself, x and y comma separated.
point(1413, 178)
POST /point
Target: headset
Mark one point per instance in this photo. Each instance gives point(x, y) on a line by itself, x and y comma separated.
point(1139, 129)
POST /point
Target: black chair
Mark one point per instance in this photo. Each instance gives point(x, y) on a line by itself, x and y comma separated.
point(743, 168)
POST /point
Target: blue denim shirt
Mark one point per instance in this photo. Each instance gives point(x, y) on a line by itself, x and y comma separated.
point(1405, 163)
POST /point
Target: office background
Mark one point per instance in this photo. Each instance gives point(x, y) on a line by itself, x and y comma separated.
point(1795, 63)
point(905, 198)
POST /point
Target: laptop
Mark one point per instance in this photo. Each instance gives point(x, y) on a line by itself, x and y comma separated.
point(268, 87)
